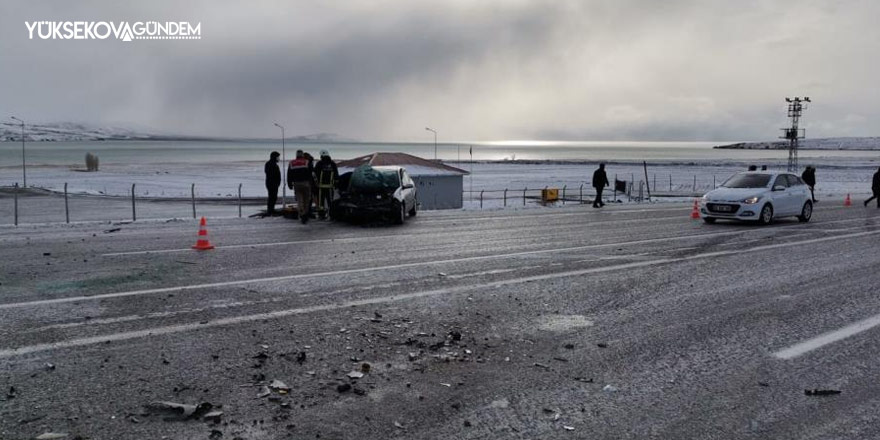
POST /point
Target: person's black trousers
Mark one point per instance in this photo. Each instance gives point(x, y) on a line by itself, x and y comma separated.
point(598, 202)
point(273, 198)
point(875, 196)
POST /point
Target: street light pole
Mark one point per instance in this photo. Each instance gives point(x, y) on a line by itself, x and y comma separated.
point(435, 140)
point(23, 168)
point(283, 169)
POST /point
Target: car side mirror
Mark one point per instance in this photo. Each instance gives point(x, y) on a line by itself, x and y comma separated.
point(778, 188)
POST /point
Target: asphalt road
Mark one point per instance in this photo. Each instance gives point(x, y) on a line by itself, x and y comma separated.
point(626, 322)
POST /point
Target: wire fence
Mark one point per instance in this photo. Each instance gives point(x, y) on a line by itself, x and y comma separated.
point(43, 206)
point(631, 190)
point(92, 207)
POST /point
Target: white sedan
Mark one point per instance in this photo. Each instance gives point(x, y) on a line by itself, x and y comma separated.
point(760, 196)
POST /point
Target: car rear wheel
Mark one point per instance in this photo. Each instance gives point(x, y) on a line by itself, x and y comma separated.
point(766, 215)
point(806, 212)
point(399, 213)
point(709, 220)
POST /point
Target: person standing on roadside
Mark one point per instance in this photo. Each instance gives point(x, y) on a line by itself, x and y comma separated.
point(326, 173)
point(600, 181)
point(299, 179)
point(875, 188)
point(273, 181)
point(809, 176)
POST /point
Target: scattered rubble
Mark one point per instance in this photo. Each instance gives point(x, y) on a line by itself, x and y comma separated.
point(609, 388)
point(51, 436)
point(818, 392)
point(180, 410)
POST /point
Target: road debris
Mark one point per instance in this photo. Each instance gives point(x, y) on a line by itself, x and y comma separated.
point(602, 345)
point(180, 410)
point(540, 365)
point(343, 388)
point(301, 357)
point(609, 388)
point(51, 436)
point(213, 416)
point(584, 379)
point(112, 230)
point(818, 392)
point(264, 392)
point(399, 425)
point(355, 375)
point(568, 428)
point(279, 386)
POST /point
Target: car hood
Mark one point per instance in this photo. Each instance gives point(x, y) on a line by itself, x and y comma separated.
point(734, 194)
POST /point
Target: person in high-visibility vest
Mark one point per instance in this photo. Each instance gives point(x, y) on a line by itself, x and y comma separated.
point(327, 174)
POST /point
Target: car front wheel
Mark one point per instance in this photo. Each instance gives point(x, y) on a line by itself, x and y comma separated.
point(399, 213)
point(806, 212)
point(766, 215)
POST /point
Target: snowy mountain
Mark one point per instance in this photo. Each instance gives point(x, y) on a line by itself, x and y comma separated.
point(70, 131)
point(64, 131)
point(840, 143)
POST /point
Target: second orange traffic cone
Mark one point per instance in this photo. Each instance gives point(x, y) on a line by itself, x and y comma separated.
point(203, 244)
point(695, 214)
point(847, 201)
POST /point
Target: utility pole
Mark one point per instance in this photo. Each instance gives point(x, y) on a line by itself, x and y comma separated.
point(283, 169)
point(793, 134)
point(23, 168)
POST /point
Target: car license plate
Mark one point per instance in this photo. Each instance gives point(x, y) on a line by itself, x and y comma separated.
point(723, 208)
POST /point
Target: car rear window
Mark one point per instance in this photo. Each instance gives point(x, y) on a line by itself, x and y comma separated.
point(747, 181)
point(368, 179)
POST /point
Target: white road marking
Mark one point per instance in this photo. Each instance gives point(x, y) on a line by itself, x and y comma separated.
point(828, 338)
point(348, 271)
point(78, 342)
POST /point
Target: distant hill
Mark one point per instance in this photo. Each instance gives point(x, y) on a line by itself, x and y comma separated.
point(71, 132)
point(841, 143)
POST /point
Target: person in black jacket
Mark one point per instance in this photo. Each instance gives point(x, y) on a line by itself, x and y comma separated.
point(326, 174)
point(273, 181)
point(875, 188)
point(809, 177)
point(600, 181)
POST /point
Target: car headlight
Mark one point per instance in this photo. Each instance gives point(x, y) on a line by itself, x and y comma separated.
point(751, 200)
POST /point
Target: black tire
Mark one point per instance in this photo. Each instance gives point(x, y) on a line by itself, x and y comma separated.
point(766, 216)
point(709, 220)
point(806, 212)
point(413, 211)
point(398, 213)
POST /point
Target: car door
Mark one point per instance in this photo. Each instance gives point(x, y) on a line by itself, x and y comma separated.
point(799, 193)
point(781, 196)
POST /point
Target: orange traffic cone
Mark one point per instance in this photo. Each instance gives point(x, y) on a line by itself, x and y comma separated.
point(847, 201)
point(695, 214)
point(203, 244)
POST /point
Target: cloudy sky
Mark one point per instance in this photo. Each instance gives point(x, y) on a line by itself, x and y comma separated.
point(474, 70)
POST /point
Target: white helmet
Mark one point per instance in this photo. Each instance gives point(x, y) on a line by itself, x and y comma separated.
point(325, 153)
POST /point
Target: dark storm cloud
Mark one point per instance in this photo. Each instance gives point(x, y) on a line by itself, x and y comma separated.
point(472, 69)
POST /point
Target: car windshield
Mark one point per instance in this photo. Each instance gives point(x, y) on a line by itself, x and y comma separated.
point(368, 179)
point(747, 181)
